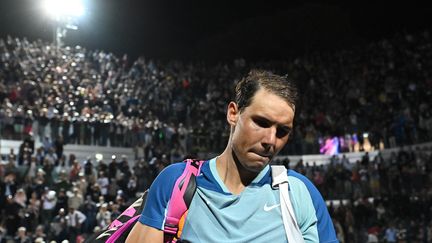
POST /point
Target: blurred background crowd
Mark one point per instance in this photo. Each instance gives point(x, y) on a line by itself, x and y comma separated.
point(59, 199)
point(381, 92)
point(167, 111)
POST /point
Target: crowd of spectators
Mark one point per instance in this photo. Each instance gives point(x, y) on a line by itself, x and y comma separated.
point(168, 110)
point(49, 198)
point(57, 198)
point(91, 97)
point(378, 198)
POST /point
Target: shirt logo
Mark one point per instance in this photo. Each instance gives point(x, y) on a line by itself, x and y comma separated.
point(268, 208)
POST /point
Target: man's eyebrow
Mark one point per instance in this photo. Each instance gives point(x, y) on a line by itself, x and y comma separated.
point(265, 119)
point(261, 117)
point(287, 127)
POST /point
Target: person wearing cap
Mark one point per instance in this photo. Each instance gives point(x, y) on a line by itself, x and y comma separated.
point(234, 199)
point(103, 217)
point(22, 236)
point(103, 183)
point(82, 183)
point(76, 200)
point(112, 168)
point(49, 201)
point(58, 226)
point(74, 221)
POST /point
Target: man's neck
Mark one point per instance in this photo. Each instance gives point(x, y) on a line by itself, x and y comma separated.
point(232, 173)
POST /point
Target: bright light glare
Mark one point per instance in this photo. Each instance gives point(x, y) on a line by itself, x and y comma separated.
point(64, 8)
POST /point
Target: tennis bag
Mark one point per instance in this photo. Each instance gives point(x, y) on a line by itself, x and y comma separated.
point(181, 197)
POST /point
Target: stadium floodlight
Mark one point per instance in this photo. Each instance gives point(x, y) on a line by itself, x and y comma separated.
point(65, 13)
point(58, 9)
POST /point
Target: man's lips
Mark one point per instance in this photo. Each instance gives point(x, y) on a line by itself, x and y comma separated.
point(264, 155)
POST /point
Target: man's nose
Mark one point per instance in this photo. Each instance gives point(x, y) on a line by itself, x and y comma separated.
point(269, 137)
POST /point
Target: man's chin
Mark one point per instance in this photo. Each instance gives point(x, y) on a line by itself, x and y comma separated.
point(253, 156)
point(257, 165)
point(253, 162)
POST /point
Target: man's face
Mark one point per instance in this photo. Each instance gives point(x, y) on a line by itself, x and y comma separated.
point(261, 130)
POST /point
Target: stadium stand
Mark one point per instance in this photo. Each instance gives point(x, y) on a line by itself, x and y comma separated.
point(65, 113)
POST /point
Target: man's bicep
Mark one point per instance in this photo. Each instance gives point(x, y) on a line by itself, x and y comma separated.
point(159, 195)
point(324, 225)
point(319, 224)
point(144, 234)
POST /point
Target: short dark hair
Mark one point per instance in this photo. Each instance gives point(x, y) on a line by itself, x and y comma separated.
point(257, 79)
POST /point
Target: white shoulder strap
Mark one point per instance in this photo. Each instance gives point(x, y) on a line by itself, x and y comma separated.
point(280, 180)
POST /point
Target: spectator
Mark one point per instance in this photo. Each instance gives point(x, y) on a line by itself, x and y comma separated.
point(39, 234)
point(390, 234)
point(104, 105)
point(162, 108)
point(74, 221)
point(22, 236)
point(49, 201)
point(33, 210)
point(2, 235)
point(8, 187)
point(59, 227)
point(103, 183)
point(76, 200)
point(103, 217)
point(11, 212)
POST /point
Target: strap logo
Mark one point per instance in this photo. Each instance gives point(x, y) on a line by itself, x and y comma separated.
point(106, 233)
point(268, 208)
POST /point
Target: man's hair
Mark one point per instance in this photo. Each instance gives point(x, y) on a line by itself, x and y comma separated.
point(257, 79)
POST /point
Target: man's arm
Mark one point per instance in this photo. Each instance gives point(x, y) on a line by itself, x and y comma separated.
point(145, 234)
point(81, 217)
point(312, 214)
point(150, 224)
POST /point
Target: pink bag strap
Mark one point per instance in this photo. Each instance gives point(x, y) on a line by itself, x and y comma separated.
point(181, 197)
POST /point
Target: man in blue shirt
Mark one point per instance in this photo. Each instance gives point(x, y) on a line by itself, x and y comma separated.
point(234, 200)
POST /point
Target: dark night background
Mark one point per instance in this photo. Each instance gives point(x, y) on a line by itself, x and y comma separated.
point(220, 30)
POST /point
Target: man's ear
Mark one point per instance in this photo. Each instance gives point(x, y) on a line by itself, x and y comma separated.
point(233, 113)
